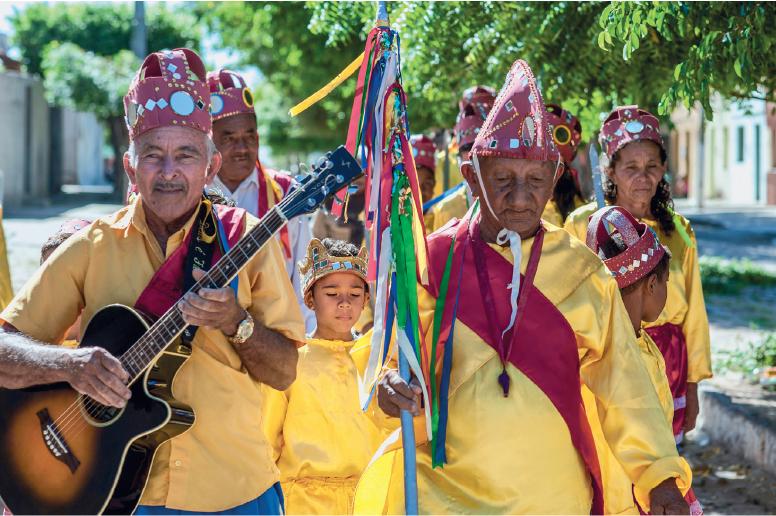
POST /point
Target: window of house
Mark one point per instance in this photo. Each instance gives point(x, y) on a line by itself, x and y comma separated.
point(740, 145)
point(725, 148)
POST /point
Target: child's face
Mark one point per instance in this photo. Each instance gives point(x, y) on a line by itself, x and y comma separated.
point(655, 292)
point(337, 300)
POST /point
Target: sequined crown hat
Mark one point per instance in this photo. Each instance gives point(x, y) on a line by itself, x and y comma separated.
point(424, 151)
point(566, 131)
point(644, 249)
point(517, 125)
point(229, 95)
point(318, 263)
point(473, 110)
point(169, 89)
point(626, 124)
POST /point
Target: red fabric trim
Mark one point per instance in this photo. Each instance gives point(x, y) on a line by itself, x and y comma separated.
point(553, 366)
point(165, 288)
point(671, 342)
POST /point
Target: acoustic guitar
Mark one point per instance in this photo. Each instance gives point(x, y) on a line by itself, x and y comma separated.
point(64, 453)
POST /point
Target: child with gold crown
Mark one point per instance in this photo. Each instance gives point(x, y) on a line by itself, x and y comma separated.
point(322, 440)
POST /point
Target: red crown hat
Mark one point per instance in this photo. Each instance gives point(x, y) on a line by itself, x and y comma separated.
point(474, 107)
point(73, 225)
point(517, 125)
point(644, 250)
point(424, 151)
point(626, 124)
point(566, 131)
point(169, 89)
point(229, 95)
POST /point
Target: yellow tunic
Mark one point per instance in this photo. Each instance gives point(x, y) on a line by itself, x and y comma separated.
point(224, 460)
point(6, 290)
point(618, 497)
point(321, 438)
point(439, 174)
point(514, 455)
point(685, 306)
point(552, 214)
point(445, 210)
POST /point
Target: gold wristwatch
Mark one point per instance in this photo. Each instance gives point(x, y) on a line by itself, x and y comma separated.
point(244, 330)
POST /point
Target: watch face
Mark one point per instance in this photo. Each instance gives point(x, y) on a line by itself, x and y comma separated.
point(245, 330)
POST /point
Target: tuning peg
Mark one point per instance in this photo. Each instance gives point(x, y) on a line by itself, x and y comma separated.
point(311, 202)
point(325, 190)
point(324, 210)
point(352, 189)
point(340, 178)
point(299, 178)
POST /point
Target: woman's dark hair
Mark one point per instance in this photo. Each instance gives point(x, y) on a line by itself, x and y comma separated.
point(615, 246)
point(565, 192)
point(662, 204)
point(53, 242)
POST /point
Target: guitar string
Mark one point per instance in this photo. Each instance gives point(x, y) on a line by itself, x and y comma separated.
point(90, 403)
point(270, 227)
point(73, 410)
point(132, 352)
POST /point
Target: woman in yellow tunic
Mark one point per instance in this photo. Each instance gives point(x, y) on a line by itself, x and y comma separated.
point(644, 289)
point(538, 316)
point(321, 438)
point(567, 195)
point(635, 180)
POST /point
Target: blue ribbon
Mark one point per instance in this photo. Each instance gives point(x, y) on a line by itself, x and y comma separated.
point(441, 197)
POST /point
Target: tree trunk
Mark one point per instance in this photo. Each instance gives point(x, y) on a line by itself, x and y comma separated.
point(119, 140)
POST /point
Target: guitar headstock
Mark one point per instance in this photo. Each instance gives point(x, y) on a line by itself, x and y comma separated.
point(333, 172)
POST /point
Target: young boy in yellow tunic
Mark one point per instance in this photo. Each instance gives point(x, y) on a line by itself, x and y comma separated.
point(323, 442)
point(634, 256)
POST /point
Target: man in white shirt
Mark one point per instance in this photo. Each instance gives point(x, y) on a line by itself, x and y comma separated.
point(254, 187)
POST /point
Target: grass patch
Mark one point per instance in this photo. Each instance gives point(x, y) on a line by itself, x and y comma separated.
point(722, 276)
point(747, 359)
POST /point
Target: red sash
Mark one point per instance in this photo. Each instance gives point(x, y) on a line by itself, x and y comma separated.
point(671, 342)
point(544, 347)
point(165, 288)
point(284, 181)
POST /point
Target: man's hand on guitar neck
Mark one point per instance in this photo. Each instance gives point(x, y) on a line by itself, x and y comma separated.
point(94, 372)
point(269, 356)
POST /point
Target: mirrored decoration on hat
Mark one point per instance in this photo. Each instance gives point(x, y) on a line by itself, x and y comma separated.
point(248, 97)
point(529, 131)
point(561, 135)
point(200, 105)
point(510, 106)
point(216, 104)
point(634, 126)
point(493, 144)
point(414, 152)
point(132, 114)
point(182, 103)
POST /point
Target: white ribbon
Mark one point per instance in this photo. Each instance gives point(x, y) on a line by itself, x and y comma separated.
point(374, 365)
point(514, 246)
point(379, 127)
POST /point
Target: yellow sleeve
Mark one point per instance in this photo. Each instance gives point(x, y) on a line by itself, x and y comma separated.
point(273, 410)
point(51, 301)
point(273, 302)
point(629, 409)
point(6, 289)
point(576, 222)
point(696, 323)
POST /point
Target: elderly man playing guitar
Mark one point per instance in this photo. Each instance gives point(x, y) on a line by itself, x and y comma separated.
point(147, 256)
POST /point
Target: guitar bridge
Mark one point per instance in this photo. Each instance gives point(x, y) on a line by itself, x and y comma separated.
point(55, 442)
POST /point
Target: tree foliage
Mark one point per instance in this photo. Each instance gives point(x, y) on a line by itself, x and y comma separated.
point(725, 46)
point(102, 28)
point(273, 36)
point(588, 56)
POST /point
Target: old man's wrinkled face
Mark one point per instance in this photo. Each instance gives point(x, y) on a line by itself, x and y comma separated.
point(170, 169)
point(518, 191)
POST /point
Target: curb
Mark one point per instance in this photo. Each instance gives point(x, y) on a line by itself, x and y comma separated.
point(742, 431)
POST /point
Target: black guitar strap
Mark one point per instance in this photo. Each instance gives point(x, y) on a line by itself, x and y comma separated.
point(201, 249)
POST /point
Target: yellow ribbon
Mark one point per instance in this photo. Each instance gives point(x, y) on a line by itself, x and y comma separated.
point(315, 97)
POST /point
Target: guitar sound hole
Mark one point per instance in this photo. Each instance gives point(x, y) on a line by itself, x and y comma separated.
point(96, 413)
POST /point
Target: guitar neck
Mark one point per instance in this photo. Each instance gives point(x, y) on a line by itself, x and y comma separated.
point(171, 324)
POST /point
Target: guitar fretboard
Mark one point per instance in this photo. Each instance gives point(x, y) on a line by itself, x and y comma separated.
point(171, 324)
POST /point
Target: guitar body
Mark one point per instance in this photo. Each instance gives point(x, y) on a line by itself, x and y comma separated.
point(61, 454)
